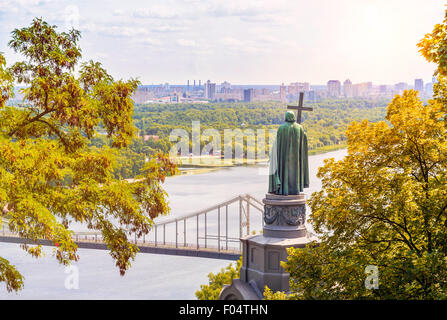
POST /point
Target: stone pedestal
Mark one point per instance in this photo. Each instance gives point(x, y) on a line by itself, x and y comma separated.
point(284, 218)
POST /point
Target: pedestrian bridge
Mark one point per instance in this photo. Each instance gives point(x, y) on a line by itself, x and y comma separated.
point(213, 232)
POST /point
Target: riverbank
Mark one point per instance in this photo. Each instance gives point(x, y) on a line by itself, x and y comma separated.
point(206, 164)
point(326, 149)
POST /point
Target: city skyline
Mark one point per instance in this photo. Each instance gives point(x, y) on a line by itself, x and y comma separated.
point(252, 42)
point(194, 92)
point(227, 82)
point(410, 82)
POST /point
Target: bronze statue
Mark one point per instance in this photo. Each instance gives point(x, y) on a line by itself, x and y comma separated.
point(289, 162)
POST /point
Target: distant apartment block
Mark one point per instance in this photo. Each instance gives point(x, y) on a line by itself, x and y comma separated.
point(231, 95)
point(249, 95)
point(401, 86)
point(429, 89)
point(296, 87)
point(210, 90)
point(225, 87)
point(334, 88)
point(361, 89)
point(419, 85)
point(283, 93)
point(143, 95)
point(347, 88)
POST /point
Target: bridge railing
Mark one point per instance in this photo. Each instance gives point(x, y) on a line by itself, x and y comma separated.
point(203, 236)
point(210, 227)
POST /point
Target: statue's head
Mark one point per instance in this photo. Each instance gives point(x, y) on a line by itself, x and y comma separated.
point(290, 116)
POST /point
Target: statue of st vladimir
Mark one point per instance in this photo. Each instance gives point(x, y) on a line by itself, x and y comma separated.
point(289, 163)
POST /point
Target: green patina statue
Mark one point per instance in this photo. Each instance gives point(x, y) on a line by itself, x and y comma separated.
point(289, 162)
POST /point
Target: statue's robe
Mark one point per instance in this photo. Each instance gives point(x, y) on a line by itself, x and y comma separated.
point(289, 162)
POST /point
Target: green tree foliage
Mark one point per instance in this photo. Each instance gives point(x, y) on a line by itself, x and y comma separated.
point(278, 295)
point(212, 290)
point(385, 205)
point(325, 126)
point(50, 173)
point(433, 47)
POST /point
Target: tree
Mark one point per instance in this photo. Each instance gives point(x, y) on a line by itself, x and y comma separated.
point(434, 47)
point(384, 205)
point(226, 275)
point(49, 175)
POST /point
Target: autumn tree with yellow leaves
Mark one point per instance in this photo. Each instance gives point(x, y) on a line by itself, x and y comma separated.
point(384, 204)
point(49, 176)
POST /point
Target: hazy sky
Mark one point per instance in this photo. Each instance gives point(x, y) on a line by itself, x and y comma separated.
point(242, 41)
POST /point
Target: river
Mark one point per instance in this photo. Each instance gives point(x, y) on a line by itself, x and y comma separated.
point(151, 276)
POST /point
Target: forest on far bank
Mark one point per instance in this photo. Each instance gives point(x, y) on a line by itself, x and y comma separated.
point(325, 125)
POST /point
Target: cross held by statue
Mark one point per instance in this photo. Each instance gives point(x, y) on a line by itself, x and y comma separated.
point(299, 108)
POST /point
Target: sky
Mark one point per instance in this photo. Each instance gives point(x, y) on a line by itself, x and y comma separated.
point(242, 41)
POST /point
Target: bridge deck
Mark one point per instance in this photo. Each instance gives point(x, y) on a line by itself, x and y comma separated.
point(199, 246)
point(146, 247)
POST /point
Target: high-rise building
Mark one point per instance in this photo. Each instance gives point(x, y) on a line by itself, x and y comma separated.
point(401, 86)
point(225, 87)
point(360, 89)
point(311, 96)
point(142, 95)
point(419, 85)
point(296, 87)
point(283, 93)
point(210, 90)
point(249, 95)
point(334, 88)
point(347, 88)
point(429, 89)
point(301, 86)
